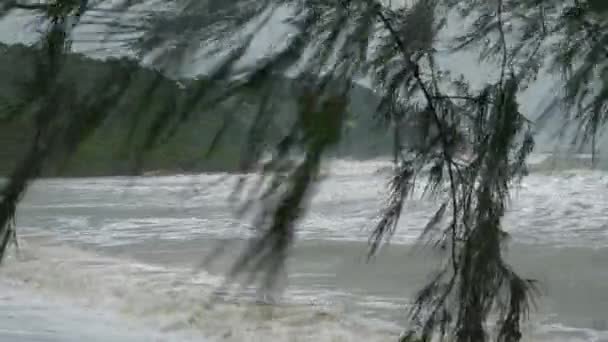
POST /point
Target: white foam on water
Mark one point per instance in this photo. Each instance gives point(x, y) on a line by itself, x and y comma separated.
point(27, 315)
point(556, 219)
point(565, 207)
point(124, 300)
point(176, 300)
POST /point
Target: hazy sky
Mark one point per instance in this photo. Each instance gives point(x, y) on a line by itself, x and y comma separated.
point(89, 40)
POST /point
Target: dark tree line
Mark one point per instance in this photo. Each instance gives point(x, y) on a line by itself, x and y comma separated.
point(331, 44)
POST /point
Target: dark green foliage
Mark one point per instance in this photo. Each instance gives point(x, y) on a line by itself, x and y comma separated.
point(193, 141)
point(333, 43)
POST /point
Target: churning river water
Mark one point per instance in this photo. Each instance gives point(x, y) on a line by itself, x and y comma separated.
point(119, 259)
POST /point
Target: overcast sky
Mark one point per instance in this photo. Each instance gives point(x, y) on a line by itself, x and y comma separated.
point(20, 27)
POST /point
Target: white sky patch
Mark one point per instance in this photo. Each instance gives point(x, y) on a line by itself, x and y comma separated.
point(19, 27)
point(93, 40)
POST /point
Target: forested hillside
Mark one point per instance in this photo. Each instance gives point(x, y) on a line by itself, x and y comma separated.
point(112, 149)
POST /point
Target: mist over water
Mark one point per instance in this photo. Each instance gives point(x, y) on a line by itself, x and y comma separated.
point(124, 256)
point(118, 259)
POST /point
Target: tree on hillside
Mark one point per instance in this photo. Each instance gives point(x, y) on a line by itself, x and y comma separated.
point(330, 44)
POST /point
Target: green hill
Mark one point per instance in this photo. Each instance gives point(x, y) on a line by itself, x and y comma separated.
point(111, 149)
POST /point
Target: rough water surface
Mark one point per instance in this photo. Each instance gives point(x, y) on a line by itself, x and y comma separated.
point(120, 259)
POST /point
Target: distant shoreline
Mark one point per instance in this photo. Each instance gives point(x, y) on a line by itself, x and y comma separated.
point(541, 162)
